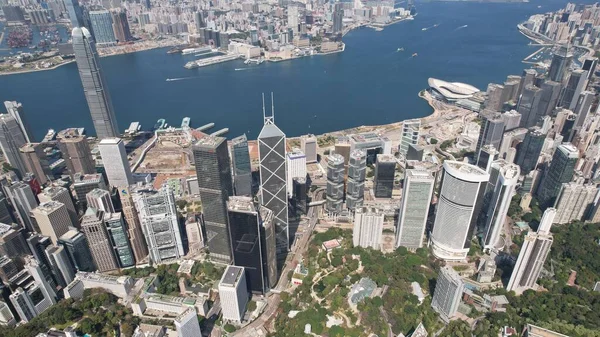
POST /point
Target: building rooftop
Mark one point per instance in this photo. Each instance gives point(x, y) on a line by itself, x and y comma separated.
point(419, 174)
point(231, 276)
point(335, 159)
point(239, 140)
point(110, 141)
point(209, 142)
point(536, 331)
point(569, 149)
point(97, 193)
point(361, 290)
point(296, 153)
point(241, 204)
point(4, 228)
point(79, 178)
point(465, 171)
point(386, 158)
point(148, 330)
point(70, 235)
point(358, 153)
point(53, 191)
point(48, 207)
point(185, 266)
point(102, 278)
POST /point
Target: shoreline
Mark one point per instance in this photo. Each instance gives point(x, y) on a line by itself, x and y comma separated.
point(36, 70)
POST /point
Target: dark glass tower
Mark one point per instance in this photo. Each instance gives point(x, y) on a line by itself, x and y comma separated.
point(94, 84)
point(560, 171)
point(253, 242)
point(529, 150)
point(213, 170)
point(242, 171)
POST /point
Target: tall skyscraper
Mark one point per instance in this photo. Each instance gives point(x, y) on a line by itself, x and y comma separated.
point(134, 227)
point(100, 199)
point(459, 203)
point(532, 256)
point(357, 169)
point(561, 171)
point(574, 201)
point(529, 106)
point(75, 13)
point(61, 264)
point(495, 98)
point(76, 152)
point(94, 84)
point(23, 200)
point(233, 294)
point(292, 14)
point(589, 65)
point(53, 219)
point(486, 157)
point(308, 144)
point(120, 25)
point(575, 86)
point(549, 98)
point(11, 140)
point(529, 150)
point(12, 241)
point(34, 268)
point(94, 228)
point(368, 227)
point(296, 168)
point(15, 109)
point(114, 159)
point(337, 17)
point(187, 323)
point(253, 242)
point(561, 61)
point(78, 250)
point(447, 294)
point(62, 195)
point(491, 131)
point(242, 169)
point(414, 209)
point(23, 304)
point(160, 224)
point(213, 170)
point(273, 194)
point(117, 232)
point(5, 211)
point(410, 134)
point(500, 190)
point(335, 183)
point(37, 245)
point(102, 25)
point(385, 169)
point(36, 162)
point(85, 183)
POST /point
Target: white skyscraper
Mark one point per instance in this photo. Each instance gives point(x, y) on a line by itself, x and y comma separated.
point(187, 324)
point(23, 304)
point(158, 216)
point(532, 256)
point(60, 263)
point(114, 158)
point(296, 168)
point(100, 199)
point(500, 190)
point(308, 144)
point(233, 292)
point(293, 18)
point(447, 294)
point(34, 268)
point(53, 219)
point(23, 200)
point(414, 209)
point(368, 227)
point(573, 201)
point(463, 187)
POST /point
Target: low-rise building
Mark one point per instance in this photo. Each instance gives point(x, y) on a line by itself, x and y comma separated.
point(118, 286)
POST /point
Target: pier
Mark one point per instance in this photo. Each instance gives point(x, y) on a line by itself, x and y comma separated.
point(212, 60)
point(206, 127)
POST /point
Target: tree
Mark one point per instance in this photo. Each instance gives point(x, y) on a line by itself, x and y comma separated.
point(251, 306)
point(433, 141)
point(229, 328)
point(181, 203)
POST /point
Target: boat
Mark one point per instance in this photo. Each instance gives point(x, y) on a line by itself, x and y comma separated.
point(159, 124)
point(401, 49)
point(415, 55)
point(423, 28)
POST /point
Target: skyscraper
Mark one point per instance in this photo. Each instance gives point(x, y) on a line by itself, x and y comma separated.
point(486, 157)
point(308, 144)
point(94, 84)
point(85, 183)
point(15, 109)
point(575, 86)
point(114, 159)
point(561, 61)
point(35, 161)
point(335, 183)
point(23, 200)
point(102, 25)
point(75, 14)
point(410, 134)
point(414, 209)
point(357, 169)
point(532, 256)
point(11, 140)
point(459, 203)
point(134, 227)
point(12, 241)
point(337, 17)
point(253, 242)
point(296, 168)
point(211, 158)
point(160, 224)
point(100, 199)
point(574, 201)
point(23, 304)
point(500, 190)
point(385, 169)
point(62, 195)
point(292, 14)
point(242, 170)
point(233, 293)
point(529, 106)
point(34, 268)
point(117, 232)
point(76, 152)
point(94, 228)
point(78, 250)
point(53, 219)
point(491, 131)
point(273, 194)
point(529, 150)
point(495, 98)
point(561, 171)
point(61, 265)
point(120, 25)
point(187, 323)
point(447, 294)
point(368, 227)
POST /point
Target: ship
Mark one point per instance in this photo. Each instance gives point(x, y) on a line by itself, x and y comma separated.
point(415, 55)
point(401, 49)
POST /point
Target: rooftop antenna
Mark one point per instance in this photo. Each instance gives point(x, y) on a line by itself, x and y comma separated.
point(264, 113)
point(268, 119)
point(272, 108)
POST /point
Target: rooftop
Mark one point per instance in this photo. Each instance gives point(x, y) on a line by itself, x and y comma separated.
point(536, 331)
point(231, 276)
point(239, 140)
point(419, 174)
point(335, 159)
point(4, 228)
point(69, 235)
point(97, 193)
point(110, 141)
point(296, 153)
point(209, 142)
point(48, 207)
point(465, 171)
point(241, 204)
point(386, 158)
point(102, 278)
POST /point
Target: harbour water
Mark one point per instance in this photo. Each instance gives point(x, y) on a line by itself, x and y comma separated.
point(371, 83)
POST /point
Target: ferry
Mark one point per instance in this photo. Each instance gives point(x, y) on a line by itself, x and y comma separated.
point(195, 50)
point(415, 55)
point(159, 124)
point(185, 123)
point(401, 49)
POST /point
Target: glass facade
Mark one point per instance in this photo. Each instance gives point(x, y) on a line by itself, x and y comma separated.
point(118, 235)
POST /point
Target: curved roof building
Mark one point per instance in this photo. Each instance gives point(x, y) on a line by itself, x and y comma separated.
point(460, 199)
point(451, 91)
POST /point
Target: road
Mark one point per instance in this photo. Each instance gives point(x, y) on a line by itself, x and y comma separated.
point(295, 255)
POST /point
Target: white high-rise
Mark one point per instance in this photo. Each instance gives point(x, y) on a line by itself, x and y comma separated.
point(114, 158)
point(573, 201)
point(187, 324)
point(308, 144)
point(296, 168)
point(532, 256)
point(100, 199)
point(233, 292)
point(447, 294)
point(35, 270)
point(368, 227)
point(500, 190)
point(463, 187)
point(53, 219)
point(23, 304)
point(414, 209)
point(410, 134)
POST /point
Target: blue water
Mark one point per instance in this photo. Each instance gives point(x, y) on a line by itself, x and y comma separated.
point(368, 84)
